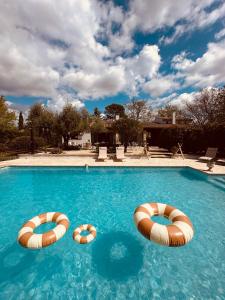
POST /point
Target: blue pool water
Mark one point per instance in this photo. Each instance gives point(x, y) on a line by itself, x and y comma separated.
point(120, 263)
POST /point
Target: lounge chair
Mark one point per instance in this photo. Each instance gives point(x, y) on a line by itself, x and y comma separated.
point(210, 154)
point(120, 153)
point(102, 154)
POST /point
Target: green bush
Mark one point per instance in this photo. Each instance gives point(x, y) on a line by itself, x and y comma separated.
point(3, 147)
point(23, 143)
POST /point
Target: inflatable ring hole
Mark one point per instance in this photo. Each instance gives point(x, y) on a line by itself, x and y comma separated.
point(44, 227)
point(161, 220)
point(84, 233)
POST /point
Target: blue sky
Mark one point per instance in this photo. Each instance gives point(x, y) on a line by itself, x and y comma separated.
point(93, 53)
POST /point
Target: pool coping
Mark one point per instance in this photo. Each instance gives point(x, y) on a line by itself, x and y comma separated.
point(113, 166)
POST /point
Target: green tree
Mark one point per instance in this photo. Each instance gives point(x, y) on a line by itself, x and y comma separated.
point(97, 112)
point(139, 110)
point(42, 121)
point(85, 120)
point(20, 122)
point(7, 121)
point(113, 110)
point(68, 122)
point(128, 129)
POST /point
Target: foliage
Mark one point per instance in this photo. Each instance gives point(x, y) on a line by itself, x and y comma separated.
point(23, 143)
point(42, 120)
point(208, 108)
point(139, 110)
point(85, 120)
point(113, 110)
point(128, 129)
point(7, 156)
point(167, 111)
point(98, 125)
point(68, 122)
point(20, 122)
point(97, 112)
point(7, 121)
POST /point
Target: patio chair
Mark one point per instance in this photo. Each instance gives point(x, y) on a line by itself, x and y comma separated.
point(102, 154)
point(210, 154)
point(120, 153)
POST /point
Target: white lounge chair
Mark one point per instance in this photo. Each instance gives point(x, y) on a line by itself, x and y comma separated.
point(102, 154)
point(210, 154)
point(120, 153)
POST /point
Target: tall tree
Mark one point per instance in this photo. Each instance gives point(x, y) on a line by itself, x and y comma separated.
point(97, 112)
point(128, 129)
point(139, 110)
point(85, 120)
point(68, 122)
point(113, 110)
point(204, 108)
point(7, 121)
point(21, 122)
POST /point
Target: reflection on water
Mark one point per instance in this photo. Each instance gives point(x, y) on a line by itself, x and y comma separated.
point(17, 263)
point(117, 255)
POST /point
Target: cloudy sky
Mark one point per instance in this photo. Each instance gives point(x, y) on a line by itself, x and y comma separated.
point(92, 53)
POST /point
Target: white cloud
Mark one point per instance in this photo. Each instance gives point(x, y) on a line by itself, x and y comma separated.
point(198, 19)
point(57, 102)
point(220, 34)
point(96, 85)
point(160, 85)
point(173, 99)
point(207, 70)
point(49, 47)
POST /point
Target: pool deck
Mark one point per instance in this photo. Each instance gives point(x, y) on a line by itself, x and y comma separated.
point(130, 161)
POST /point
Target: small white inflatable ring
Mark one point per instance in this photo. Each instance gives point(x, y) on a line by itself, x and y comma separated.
point(179, 233)
point(27, 238)
point(84, 239)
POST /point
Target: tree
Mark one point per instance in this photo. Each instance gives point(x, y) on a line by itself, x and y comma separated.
point(139, 110)
point(85, 120)
point(220, 106)
point(68, 122)
point(204, 108)
point(167, 111)
point(128, 129)
point(7, 121)
point(42, 121)
point(97, 112)
point(21, 122)
point(113, 110)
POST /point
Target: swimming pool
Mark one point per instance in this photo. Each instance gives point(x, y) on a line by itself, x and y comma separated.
point(120, 263)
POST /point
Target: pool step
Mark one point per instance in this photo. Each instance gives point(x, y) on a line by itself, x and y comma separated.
point(218, 182)
point(156, 152)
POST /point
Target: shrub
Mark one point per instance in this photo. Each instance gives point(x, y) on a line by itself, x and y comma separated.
point(3, 147)
point(23, 143)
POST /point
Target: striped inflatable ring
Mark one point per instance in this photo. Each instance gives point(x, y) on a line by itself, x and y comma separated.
point(179, 233)
point(84, 239)
point(28, 239)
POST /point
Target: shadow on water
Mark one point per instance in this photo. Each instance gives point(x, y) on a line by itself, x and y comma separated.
point(16, 261)
point(193, 175)
point(117, 255)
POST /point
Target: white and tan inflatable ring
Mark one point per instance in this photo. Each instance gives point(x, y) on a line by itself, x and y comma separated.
point(84, 239)
point(179, 233)
point(27, 238)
